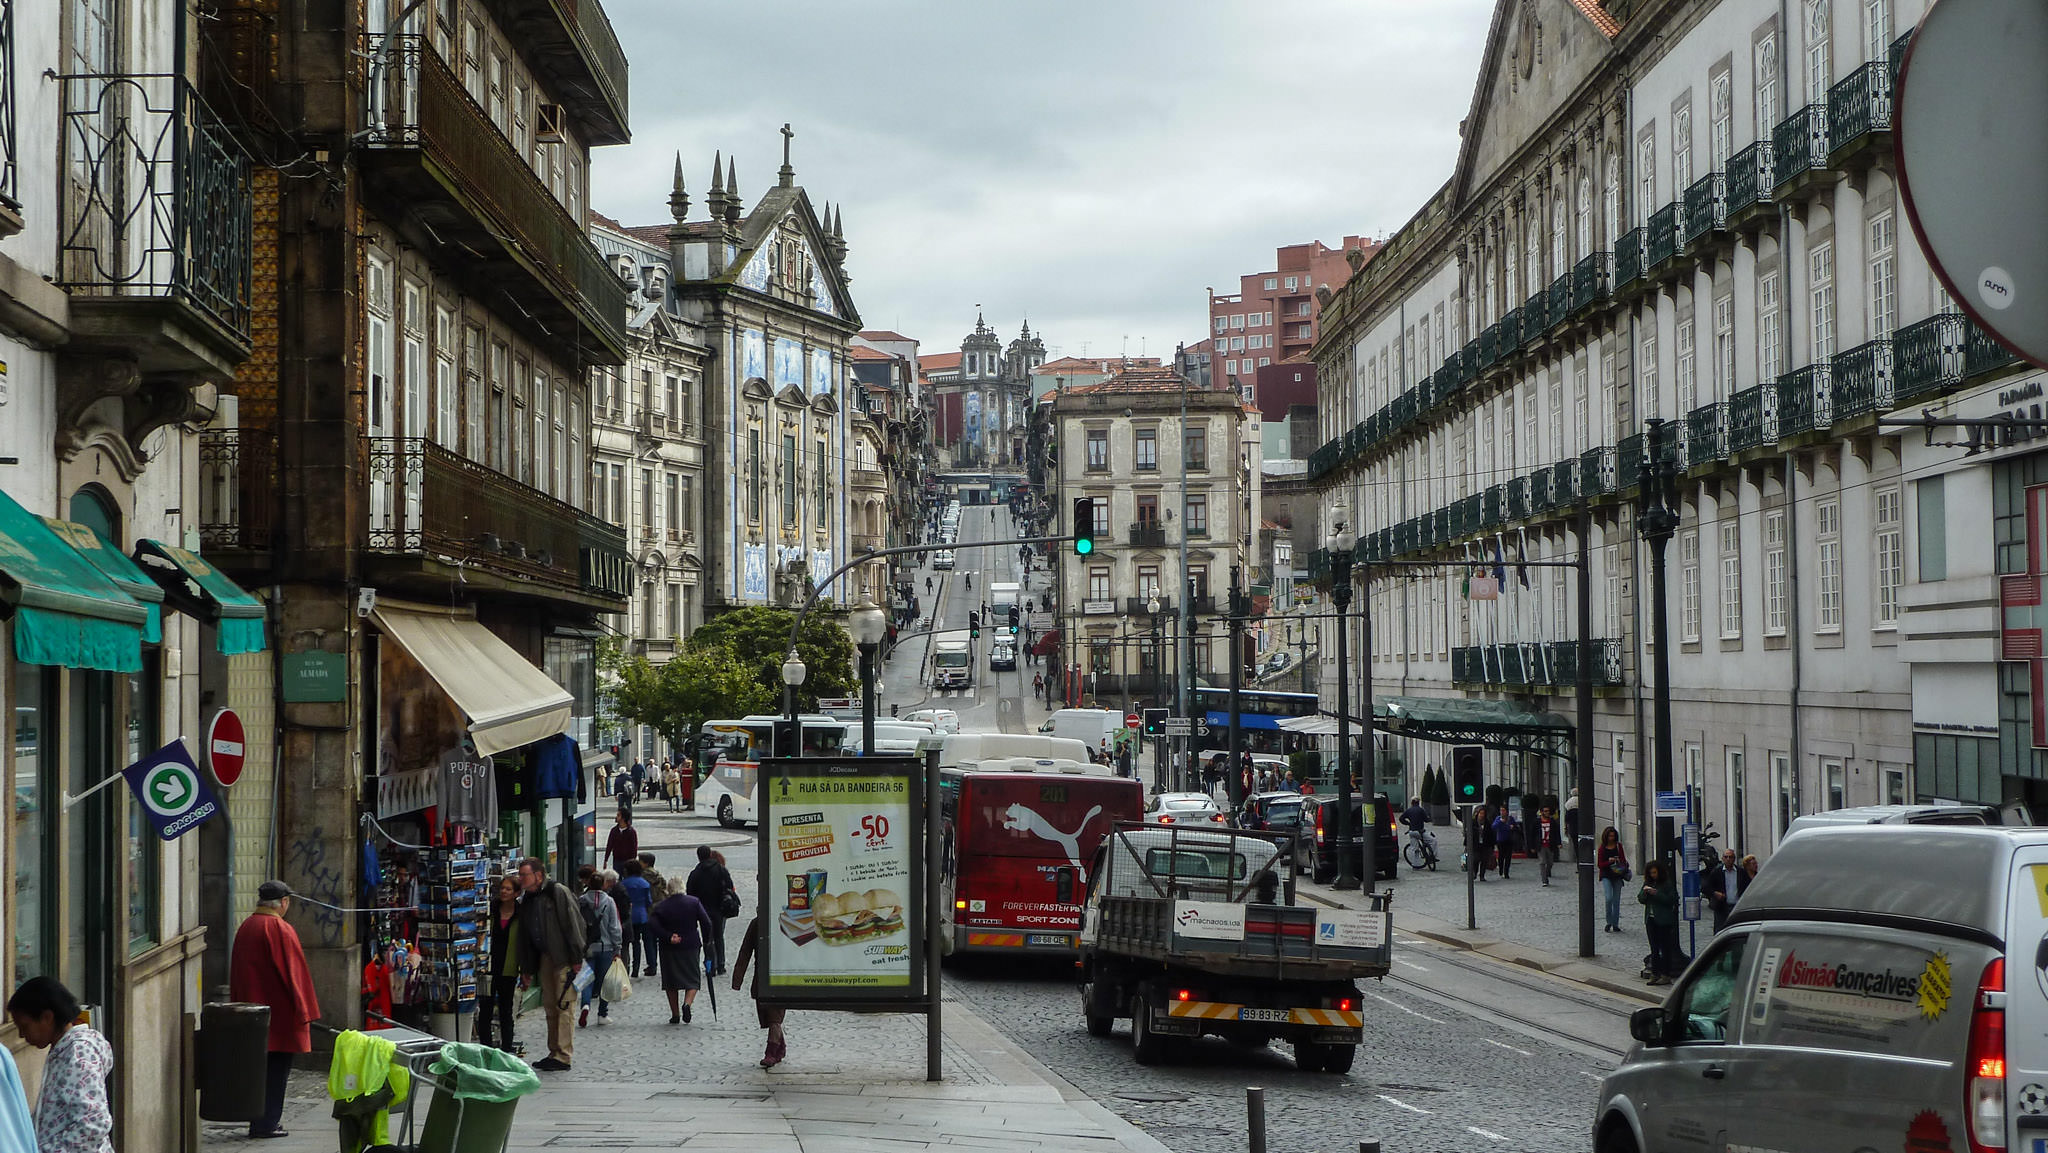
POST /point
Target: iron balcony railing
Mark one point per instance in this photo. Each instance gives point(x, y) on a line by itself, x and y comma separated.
point(1863, 380)
point(1895, 56)
point(1983, 353)
point(156, 200)
point(1663, 234)
point(1753, 418)
point(10, 200)
point(1468, 362)
point(425, 500)
point(1553, 664)
point(1511, 332)
point(1706, 207)
point(1599, 471)
point(1752, 176)
point(1560, 304)
point(1564, 481)
point(1466, 666)
point(1860, 105)
point(1440, 526)
point(1630, 460)
point(238, 489)
point(416, 104)
point(1806, 400)
point(1489, 346)
point(1521, 501)
point(1706, 434)
point(1592, 280)
point(1927, 357)
point(1800, 143)
point(1148, 534)
point(1631, 255)
point(1541, 498)
point(1535, 316)
point(1494, 512)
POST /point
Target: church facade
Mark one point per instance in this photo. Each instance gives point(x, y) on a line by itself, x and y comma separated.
point(981, 398)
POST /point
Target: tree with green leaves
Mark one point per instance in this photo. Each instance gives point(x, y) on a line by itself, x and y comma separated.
point(699, 684)
point(758, 637)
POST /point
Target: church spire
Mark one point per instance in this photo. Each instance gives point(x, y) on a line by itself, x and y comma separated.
point(732, 191)
point(716, 201)
point(678, 197)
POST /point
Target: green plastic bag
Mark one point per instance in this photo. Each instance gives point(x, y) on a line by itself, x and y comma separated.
point(481, 1073)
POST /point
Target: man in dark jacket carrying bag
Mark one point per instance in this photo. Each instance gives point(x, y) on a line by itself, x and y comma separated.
point(550, 947)
point(709, 882)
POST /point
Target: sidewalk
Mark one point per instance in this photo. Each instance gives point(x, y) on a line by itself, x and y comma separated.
point(1521, 921)
point(852, 1082)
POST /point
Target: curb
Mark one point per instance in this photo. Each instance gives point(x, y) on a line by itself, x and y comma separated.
point(966, 1028)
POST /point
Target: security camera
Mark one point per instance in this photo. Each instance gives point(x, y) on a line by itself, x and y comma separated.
point(366, 599)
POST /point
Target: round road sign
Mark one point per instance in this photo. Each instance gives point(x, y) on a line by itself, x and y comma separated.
point(225, 745)
point(1132, 720)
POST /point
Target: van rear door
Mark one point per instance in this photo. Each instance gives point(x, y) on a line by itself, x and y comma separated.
point(2026, 1002)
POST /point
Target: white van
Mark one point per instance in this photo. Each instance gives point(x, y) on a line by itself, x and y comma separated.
point(1909, 815)
point(1875, 985)
point(893, 737)
point(969, 750)
point(944, 720)
point(1091, 727)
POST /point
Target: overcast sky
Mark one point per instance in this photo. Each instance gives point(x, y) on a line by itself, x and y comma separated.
point(1093, 163)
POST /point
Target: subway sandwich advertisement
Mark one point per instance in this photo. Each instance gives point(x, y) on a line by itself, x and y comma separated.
point(840, 862)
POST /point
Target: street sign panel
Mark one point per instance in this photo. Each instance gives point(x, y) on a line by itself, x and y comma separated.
point(1179, 726)
point(1671, 804)
point(225, 745)
point(173, 794)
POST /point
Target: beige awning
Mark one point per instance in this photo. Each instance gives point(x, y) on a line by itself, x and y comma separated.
point(509, 702)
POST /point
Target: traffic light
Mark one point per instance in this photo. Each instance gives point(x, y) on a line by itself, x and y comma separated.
point(1155, 722)
point(974, 625)
point(1084, 525)
point(1013, 618)
point(1468, 775)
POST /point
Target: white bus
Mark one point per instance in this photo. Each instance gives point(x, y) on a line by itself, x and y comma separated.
point(729, 755)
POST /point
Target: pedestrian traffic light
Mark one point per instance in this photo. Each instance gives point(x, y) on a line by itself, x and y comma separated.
point(1155, 722)
point(1468, 775)
point(1084, 526)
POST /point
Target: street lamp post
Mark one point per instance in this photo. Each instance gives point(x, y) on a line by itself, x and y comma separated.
point(1341, 547)
point(1659, 519)
point(793, 672)
point(1158, 692)
point(1234, 784)
point(868, 627)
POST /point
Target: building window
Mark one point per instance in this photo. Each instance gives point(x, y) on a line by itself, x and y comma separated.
point(1724, 348)
point(1767, 106)
point(447, 427)
point(1098, 449)
point(1221, 322)
point(1894, 785)
point(1611, 569)
point(649, 513)
point(414, 418)
point(1827, 518)
point(1769, 363)
point(1731, 580)
point(672, 486)
point(686, 507)
point(558, 455)
point(789, 480)
point(1884, 276)
point(1931, 530)
point(473, 392)
point(1681, 151)
point(1688, 371)
point(1197, 448)
point(1198, 515)
point(1272, 282)
point(1646, 175)
point(1582, 400)
point(1775, 575)
point(1890, 553)
point(1098, 584)
point(1721, 135)
point(1101, 518)
point(1821, 301)
point(1556, 405)
point(1837, 779)
point(675, 611)
point(1148, 508)
point(1877, 29)
point(620, 514)
point(1820, 68)
point(1147, 447)
point(1293, 282)
point(1786, 784)
point(1148, 581)
point(1689, 587)
point(823, 501)
point(1646, 371)
point(754, 475)
point(1737, 803)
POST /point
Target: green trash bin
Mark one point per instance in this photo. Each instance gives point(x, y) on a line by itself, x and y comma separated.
point(476, 1088)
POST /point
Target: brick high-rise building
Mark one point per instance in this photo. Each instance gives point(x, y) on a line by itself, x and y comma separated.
point(1274, 315)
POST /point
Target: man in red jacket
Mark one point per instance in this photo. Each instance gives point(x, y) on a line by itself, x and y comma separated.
point(268, 967)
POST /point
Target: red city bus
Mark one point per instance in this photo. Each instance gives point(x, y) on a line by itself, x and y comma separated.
point(1016, 853)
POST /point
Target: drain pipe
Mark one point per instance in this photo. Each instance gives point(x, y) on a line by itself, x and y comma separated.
point(1794, 633)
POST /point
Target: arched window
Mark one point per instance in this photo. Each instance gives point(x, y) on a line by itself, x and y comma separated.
point(1585, 213)
point(1559, 261)
point(93, 507)
point(1820, 66)
point(1612, 209)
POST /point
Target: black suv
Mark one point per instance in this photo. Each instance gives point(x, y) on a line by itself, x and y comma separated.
point(1319, 822)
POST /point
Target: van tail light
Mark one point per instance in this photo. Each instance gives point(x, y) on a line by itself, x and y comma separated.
point(1319, 824)
point(1984, 1063)
point(1184, 995)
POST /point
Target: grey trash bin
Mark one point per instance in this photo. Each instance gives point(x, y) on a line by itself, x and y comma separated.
point(234, 1038)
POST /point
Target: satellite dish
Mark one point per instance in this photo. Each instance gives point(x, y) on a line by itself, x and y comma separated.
point(1970, 133)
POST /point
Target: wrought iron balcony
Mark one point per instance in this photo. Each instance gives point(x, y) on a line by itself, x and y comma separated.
point(1706, 207)
point(1806, 400)
point(1148, 534)
point(1592, 280)
point(1662, 234)
point(1552, 664)
point(1895, 56)
point(1511, 332)
point(1521, 503)
point(1489, 347)
point(1752, 177)
point(1927, 357)
point(1535, 316)
point(1600, 471)
point(1323, 459)
point(1541, 499)
point(1564, 482)
point(1859, 110)
point(867, 478)
point(1863, 380)
point(1753, 418)
point(238, 491)
point(429, 504)
point(1205, 603)
point(1706, 434)
point(1439, 526)
point(1983, 354)
point(1800, 143)
point(1560, 303)
point(1466, 666)
point(1494, 512)
point(572, 44)
point(477, 203)
point(1468, 362)
point(1631, 459)
point(155, 233)
point(1631, 256)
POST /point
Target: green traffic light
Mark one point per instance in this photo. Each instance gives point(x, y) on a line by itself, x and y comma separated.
point(1083, 547)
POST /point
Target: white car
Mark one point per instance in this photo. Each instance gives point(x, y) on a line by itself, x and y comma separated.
point(943, 560)
point(1185, 809)
point(944, 720)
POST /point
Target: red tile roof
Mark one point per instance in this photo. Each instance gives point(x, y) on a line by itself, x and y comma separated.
point(863, 352)
point(1595, 11)
point(880, 334)
point(1136, 379)
point(938, 361)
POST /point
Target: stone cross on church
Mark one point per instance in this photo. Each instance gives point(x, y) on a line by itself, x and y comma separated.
point(787, 176)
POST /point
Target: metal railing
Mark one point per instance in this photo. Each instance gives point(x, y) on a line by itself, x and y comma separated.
point(1927, 357)
point(1542, 497)
point(1982, 353)
point(1753, 418)
point(1552, 664)
point(1511, 332)
point(415, 102)
point(1599, 471)
point(1564, 481)
point(1489, 346)
point(1806, 400)
point(238, 489)
point(1859, 105)
point(1863, 380)
point(1521, 503)
point(1752, 175)
point(1592, 280)
point(1560, 303)
point(157, 200)
point(1663, 234)
point(867, 478)
point(1630, 460)
point(1148, 534)
point(1706, 207)
point(1800, 143)
point(1706, 434)
point(1535, 315)
point(1140, 606)
point(1631, 255)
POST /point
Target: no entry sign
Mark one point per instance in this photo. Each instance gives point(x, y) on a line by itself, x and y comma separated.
point(225, 746)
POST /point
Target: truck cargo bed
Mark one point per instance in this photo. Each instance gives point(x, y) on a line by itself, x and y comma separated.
point(1286, 942)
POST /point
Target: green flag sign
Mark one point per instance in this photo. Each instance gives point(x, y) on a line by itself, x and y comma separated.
point(173, 793)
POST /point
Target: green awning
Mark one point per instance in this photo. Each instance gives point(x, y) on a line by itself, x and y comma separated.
point(123, 572)
point(65, 610)
point(198, 589)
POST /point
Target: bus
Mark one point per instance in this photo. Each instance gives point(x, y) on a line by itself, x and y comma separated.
point(729, 755)
point(1259, 713)
point(1017, 843)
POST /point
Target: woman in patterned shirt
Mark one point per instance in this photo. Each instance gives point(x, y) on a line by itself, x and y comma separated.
point(72, 1114)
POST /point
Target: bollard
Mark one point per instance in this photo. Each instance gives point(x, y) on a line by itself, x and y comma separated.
point(1255, 1118)
point(1368, 1147)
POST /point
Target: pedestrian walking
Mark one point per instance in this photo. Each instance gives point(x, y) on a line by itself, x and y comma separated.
point(1717, 878)
point(1482, 842)
point(769, 1016)
point(72, 1113)
point(1611, 861)
point(639, 772)
point(1504, 840)
point(712, 885)
point(657, 884)
point(498, 995)
point(643, 949)
point(1549, 842)
point(1038, 684)
point(1660, 915)
point(603, 934)
point(622, 844)
point(267, 966)
point(672, 784)
point(550, 948)
point(1743, 878)
point(682, 923)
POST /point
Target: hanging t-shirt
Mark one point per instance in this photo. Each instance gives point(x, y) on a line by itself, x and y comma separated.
point(468, 795)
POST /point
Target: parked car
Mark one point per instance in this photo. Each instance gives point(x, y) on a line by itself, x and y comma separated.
point(1184, 809)
point(944, 720)
point(1275, 813)
point(943, 560)
point(1319, 820)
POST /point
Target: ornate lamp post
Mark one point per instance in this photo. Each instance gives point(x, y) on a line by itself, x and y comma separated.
point(1657, 521)
point(869, 626)
point(793, 673)
point(1341, 549)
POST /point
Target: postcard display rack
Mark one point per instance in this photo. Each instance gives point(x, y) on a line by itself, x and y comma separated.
point(454, 931)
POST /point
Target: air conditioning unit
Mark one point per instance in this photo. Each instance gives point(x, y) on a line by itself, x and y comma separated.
point(548, 124)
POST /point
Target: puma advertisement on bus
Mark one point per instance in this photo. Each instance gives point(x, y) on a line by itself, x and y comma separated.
point(1017, 848)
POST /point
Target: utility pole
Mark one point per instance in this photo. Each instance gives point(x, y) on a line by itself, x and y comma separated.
point(1234, 786)
point(1658, 522)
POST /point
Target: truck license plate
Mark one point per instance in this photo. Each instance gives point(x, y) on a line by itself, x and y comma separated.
point(1056, 940)
point(1251, 1014)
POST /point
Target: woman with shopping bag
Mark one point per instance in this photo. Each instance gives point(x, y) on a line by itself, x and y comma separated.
point(601, 928)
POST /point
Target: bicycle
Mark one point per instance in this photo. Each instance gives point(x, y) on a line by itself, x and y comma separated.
point(1420, 852)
